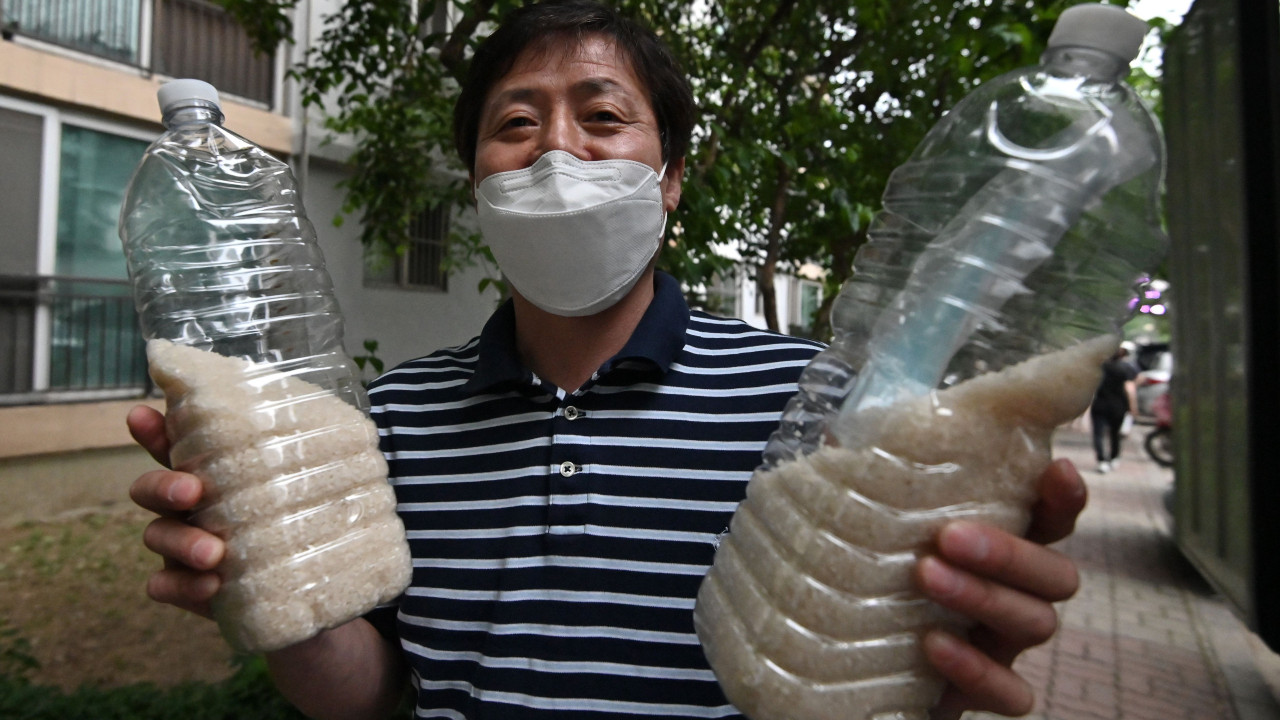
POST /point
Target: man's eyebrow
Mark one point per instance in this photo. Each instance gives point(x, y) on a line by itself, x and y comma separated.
point(598, 86)
point(514, 95)
point(585, 88)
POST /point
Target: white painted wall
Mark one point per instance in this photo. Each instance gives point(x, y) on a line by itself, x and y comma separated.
point(405, 323)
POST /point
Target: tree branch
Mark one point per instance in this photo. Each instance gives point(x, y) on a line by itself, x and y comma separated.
point(454, 50)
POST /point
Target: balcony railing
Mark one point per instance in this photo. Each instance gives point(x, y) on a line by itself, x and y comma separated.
point(65, 339)
point(195, 38)
point(177, 38)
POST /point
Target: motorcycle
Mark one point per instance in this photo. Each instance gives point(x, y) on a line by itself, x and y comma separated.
point(1159, 442)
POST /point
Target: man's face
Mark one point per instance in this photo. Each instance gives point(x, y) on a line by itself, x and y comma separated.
point(582, 98)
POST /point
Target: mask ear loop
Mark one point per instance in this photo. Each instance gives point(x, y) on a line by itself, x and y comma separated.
point(662, 232)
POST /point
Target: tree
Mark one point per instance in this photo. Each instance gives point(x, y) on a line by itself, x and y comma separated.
point(807, 106)
point(386, 73)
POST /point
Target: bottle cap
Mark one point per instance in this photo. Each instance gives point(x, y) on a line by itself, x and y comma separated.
point(1109, 28)
point(177, 93)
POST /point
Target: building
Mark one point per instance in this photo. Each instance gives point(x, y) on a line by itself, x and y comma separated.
point(77, 108)
point(799, 293)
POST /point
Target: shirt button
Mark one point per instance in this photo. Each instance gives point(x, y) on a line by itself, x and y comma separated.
point(571, 413)
point(567, 468)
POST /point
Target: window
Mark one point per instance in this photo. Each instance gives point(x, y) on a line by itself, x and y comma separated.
point(94, 339)
point(197, 38)
point(178, 38)
point(807, 299)
point(95, 169)
point(106, 28)
point(21, 141)
point(722, 294)
point(67, 323)
point(421, 264)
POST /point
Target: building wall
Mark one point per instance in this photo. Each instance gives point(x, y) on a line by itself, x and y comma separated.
point(405, 323)
point(41, 76)
point(740, 297)
point(59, 459)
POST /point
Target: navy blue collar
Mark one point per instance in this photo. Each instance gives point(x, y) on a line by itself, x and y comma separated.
point(656, 340)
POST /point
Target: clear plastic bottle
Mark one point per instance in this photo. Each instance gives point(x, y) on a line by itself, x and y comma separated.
point(263, 403)
point(994, 284)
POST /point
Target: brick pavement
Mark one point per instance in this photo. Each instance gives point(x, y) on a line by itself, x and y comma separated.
point(1145, 638)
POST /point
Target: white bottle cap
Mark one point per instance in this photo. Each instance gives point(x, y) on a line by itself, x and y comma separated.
point(1109, 28)
point(176, 93)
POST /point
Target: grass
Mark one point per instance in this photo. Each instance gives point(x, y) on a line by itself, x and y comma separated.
point(79, 639)
point(246, 695)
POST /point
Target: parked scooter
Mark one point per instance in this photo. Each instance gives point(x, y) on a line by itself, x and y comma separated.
point(1159, 442)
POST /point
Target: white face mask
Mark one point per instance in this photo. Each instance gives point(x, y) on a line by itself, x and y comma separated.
point(573, 236)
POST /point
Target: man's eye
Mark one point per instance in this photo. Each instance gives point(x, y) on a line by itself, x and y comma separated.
point(518, 122)
point(604, 116)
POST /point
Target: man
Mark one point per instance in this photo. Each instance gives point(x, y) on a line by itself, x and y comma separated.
point(563, 477)
point(1112, 403)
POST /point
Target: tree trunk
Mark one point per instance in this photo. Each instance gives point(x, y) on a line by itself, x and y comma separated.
point(773, 249)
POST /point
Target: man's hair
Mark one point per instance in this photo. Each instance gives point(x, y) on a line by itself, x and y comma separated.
point(544, 26)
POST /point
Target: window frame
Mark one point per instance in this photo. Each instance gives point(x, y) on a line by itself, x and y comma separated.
point(400, 268)
point(53, 120)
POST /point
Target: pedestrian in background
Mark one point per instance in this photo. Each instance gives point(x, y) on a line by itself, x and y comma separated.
point(1112, 402)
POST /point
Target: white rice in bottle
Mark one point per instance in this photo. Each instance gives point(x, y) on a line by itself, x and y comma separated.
point(296, 486)
point(810, 612)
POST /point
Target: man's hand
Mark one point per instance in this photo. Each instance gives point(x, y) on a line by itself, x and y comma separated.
point(1007, 585)
point(347, 672)
point(191, 555)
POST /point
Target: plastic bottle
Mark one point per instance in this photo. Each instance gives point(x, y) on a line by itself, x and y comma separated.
point(1010, 248)
point(263, 404)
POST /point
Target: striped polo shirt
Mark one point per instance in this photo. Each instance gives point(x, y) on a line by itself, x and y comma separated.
point(559, 538)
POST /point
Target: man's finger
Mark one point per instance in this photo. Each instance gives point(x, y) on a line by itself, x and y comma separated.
point(1019, 563)
point(1063, 496)
point(183, 543)
point(146, 425)
point(185, 588)
point(1020, 619)
point(166, 492)
point(977, 681)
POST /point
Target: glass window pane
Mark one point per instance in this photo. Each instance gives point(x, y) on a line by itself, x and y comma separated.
point(810, 299)
point(21, 138)
point(21, 135)
point(95, 342)
point(106, 28)
point(421, 263)
point(95, 169)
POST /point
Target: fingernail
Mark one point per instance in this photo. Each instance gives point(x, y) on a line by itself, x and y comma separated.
point(204, 551)
point(207, 585)
point(968, 541)
point(943, 642)
point(945, 651)
point(174, 492)
point(939, 579)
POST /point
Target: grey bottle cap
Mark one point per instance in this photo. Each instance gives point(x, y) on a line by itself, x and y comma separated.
point(177, 93)
point(1104, 27)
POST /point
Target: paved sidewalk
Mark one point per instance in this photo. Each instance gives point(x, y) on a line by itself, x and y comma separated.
point(1145, 638)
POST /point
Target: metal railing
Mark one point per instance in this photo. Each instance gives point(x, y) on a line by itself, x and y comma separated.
point(106, 28)
point(68, 339)
point(196, 38)
point(178, 38)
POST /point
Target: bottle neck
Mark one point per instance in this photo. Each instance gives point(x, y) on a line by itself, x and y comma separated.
point(192, 115)
point(1091, 63)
